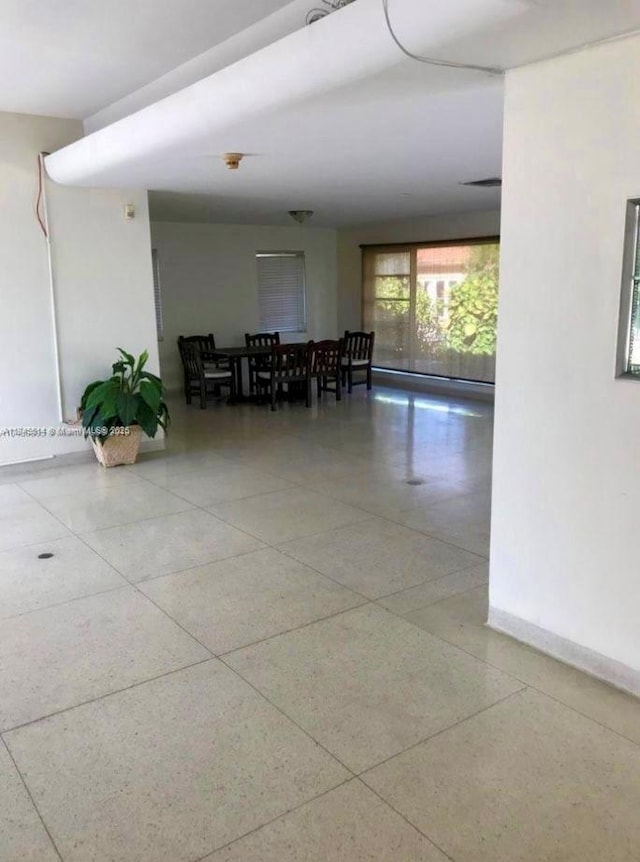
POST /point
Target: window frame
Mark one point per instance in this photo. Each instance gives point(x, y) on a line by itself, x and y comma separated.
point(412, 248)
point(303, 321)
point(630, 284)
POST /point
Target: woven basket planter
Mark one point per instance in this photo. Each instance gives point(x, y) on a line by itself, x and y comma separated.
point(118, 449)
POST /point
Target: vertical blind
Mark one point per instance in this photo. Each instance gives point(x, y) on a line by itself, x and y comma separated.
point(281, 291)
point(157, 299)
point(433, 307)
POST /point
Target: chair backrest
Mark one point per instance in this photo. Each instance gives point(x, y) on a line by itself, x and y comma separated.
point(190, 354)
point(204, 342)
point(359, 345)
point(262, 339)
point(291, 360)
point(326, 356)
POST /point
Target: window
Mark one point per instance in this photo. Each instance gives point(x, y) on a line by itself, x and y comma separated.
point(281, 291)
point(629, 331)
point(434, 307)
point(157, 298)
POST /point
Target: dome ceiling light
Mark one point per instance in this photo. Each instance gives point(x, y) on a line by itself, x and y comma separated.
point(300, 215)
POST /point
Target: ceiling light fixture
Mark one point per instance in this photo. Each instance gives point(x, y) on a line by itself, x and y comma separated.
point(300, 215)
point(232, 160)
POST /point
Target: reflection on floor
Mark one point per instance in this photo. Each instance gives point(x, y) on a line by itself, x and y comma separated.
point(267, 645)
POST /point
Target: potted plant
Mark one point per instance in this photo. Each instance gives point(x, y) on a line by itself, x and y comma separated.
point(114, 412)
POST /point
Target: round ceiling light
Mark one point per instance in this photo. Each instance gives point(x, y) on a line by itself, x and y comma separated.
point(300, 215)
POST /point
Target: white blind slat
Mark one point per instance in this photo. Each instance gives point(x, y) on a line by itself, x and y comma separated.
point(281, 291)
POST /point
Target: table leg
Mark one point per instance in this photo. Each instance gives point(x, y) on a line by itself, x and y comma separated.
point(239, 383)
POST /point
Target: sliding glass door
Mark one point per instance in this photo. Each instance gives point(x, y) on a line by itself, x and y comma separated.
point(433, 307)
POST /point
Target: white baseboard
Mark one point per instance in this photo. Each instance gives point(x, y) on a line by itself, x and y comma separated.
point(436, 385)
point(607, 669)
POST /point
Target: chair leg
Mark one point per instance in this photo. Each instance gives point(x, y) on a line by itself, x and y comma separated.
point(369, 380)
point(274, 391)
point(338, 388)
point(319, 387)
point(350, 380)
point(308, 399)
point(203, 395)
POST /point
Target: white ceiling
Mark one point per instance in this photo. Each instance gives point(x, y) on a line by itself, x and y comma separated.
point(393, 146)
point(349, 129)
point(69, 58)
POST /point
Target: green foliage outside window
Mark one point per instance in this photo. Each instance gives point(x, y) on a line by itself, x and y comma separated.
point(465, 324)
point(473, 305)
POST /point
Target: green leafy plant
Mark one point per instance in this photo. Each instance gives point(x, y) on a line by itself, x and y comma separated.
point(473, 305)
point(131, 396)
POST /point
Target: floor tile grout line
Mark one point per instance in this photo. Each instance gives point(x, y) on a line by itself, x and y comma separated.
point(322, 619)
point(444, 599)
point(282, 549)
point(116, 486)
point(193, 506)
point(322, 574)
point(81, 536)
point(404, 616)
point(406, 819)
point(134, 585)
point(33, 802)
point(166, 613)
point(461, 571)
point(531, 685)
point(178, 571)
point(305, 536)
point(481, 557)
point(425, 505)
point(293, 810)
point(289, 483)
point(196, 507)
point(65, 602)
point(275, 706)
point(438, 733)
point(9, 730)
point(137, 586)
point(77, 532)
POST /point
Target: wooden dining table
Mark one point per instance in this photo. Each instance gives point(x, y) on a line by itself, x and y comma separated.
point(235, 355)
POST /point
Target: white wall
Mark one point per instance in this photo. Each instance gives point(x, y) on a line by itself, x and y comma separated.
point(565, 569)
point(429, 228)
point(209, 282)
point(103, 282)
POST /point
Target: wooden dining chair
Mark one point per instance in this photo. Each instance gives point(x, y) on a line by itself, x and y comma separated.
point(200, 378)
point(326, 366)
point(357, 356)
point(290, 366)
point(259, 363)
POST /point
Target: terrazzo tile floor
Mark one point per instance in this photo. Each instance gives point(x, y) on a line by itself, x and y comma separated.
point(267, 644)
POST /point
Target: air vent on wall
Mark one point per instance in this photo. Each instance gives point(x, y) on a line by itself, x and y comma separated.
point(489, 183)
